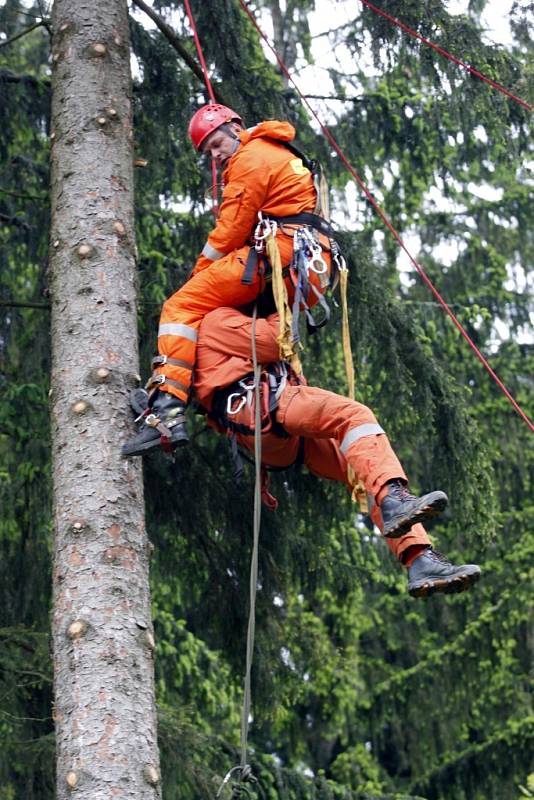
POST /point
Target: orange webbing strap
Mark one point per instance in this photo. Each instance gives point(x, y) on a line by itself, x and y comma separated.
point(288, 351)
point(358, 489)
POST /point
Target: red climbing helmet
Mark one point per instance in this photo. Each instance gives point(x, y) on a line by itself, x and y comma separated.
point(209, 118)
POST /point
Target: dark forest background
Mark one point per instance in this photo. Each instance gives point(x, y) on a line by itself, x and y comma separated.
point(359, 690)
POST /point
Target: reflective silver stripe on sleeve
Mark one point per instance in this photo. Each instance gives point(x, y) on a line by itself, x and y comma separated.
point(177, 329)
point(369, 429)
point(210, 252)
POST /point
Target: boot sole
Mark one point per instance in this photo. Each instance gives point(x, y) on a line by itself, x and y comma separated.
point(154, 444)
point(455, 585)
point(403, 524)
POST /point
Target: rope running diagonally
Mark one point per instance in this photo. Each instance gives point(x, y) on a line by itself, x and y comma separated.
point(450, 56)
point(363, 186)
point(210, 91)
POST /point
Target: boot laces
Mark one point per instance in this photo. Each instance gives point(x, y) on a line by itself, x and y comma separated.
point(400, 490)
point(437, 556)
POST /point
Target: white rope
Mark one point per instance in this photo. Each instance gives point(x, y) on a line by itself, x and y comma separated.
point(255, 546)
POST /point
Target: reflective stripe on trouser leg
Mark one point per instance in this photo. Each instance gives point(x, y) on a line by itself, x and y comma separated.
point(183, 312)
point(177, 339)
point(312, 412)
point(368, 429)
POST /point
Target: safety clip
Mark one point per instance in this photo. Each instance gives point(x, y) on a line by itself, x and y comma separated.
point(229, 403)
point(155, 380)
point(264, 228)
point(340, 262)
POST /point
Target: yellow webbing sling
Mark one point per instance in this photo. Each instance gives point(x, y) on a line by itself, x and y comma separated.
point(288, 351)
point(358, 489)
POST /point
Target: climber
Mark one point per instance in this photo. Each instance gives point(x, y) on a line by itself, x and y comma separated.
point(262, 172)
point(334, 432)
point(324, 431)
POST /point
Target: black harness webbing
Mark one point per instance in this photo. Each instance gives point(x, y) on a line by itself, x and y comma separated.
point(252, 263)
point(306, 218)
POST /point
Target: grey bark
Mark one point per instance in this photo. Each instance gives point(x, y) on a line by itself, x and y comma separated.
point(102, 631)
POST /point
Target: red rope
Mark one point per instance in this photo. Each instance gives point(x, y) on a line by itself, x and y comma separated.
point(448, 55)
point(211, 95)
point(390, 227)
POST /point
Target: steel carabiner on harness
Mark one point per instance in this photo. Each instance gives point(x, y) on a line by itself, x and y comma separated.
point(264, 228)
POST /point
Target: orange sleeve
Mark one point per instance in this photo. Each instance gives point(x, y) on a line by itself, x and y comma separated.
point(243, 196)
point(201, 263)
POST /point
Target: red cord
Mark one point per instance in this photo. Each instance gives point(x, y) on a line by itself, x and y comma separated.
point(448, 55)
point(390, 227)
point(211, 94)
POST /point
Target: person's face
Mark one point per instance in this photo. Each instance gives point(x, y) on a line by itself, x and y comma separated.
point(220, 146)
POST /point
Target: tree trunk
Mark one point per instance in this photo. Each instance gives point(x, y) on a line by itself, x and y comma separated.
point(102, 632)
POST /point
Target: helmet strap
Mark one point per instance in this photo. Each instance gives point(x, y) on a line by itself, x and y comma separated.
point(225, 127)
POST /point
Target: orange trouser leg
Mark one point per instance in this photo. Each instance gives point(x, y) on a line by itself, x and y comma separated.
point(228, 332)
point(217, 285)
point(352, 434)
point(312, 412)
point(324, 458)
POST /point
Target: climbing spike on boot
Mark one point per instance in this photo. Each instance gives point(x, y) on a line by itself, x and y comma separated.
point(163, 427)
point(138, 399)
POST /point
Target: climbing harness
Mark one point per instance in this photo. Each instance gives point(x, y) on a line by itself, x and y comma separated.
point(308, 257)
point(239, 399)
point(242, 394)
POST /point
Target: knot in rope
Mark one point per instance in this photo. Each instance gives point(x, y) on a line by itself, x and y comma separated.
point(239, 790)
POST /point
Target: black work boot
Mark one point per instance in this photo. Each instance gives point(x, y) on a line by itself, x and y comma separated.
point(401, 510)
point(162, 425)
point(431, 572)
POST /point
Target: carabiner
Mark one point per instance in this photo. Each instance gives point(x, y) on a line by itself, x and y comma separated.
point(340, 262)
point(242, 402)
point(318, 264)
point(262, 231)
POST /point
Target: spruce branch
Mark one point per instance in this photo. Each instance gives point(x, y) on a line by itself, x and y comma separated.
point(175, 42)
point(14, 220)
point(40, 198)
point(42, 23)
point(19, 304)
point(6, 76)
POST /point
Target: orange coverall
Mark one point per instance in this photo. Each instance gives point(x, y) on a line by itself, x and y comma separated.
point(336, 430)
point(262, 175)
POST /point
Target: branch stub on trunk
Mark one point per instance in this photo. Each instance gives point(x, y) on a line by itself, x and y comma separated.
point(100, 49)
point(76, 629)
point(80, 407)
point(71, 779)
point(84, 250)
point(151, 775)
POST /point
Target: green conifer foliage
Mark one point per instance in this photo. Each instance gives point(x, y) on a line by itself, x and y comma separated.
point(360, 693)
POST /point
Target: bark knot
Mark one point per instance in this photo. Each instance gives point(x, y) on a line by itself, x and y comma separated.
point(84, 250)
point(78, 525)
point(76, 629)
point(80, 407)
point(71, 779)
point(99, 49)
point(151, 775)
point(101, 374)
